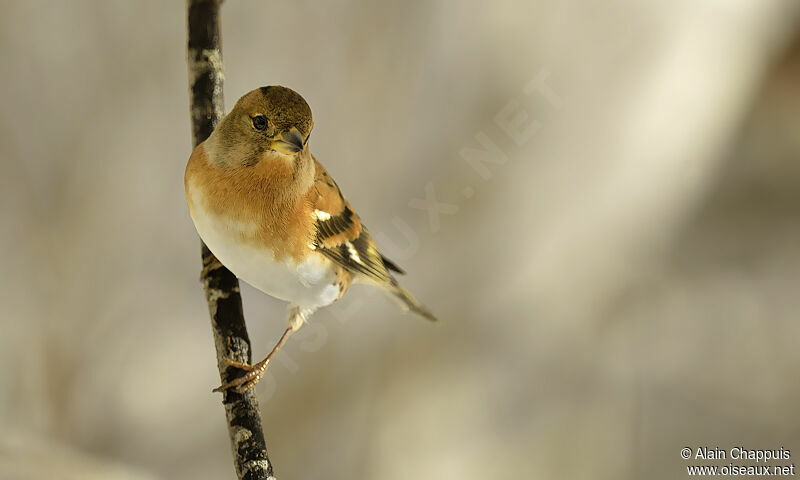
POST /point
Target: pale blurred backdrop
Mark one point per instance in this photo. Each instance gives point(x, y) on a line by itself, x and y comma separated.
point(616, 272)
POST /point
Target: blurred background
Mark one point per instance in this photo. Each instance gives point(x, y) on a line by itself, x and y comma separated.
point(601, 202)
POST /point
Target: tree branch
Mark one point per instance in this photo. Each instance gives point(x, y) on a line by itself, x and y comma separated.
point(221, 286)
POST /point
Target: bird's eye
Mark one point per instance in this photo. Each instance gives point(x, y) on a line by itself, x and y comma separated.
point(260, 122)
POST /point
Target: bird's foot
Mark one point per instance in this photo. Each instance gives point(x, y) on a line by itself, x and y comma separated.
point(249, 380)
point(256, 372)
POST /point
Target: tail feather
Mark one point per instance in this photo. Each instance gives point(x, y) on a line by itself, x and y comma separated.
point(392, 266)
point(408, 302)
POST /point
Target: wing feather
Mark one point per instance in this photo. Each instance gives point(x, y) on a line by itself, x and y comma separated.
point(341, 236)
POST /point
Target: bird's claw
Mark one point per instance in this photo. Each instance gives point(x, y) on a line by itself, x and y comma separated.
point(247, 381)
point(239, 365)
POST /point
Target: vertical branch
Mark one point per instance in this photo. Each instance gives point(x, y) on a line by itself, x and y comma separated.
point(221, 286)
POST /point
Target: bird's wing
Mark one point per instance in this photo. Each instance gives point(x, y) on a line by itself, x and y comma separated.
point(341, 236)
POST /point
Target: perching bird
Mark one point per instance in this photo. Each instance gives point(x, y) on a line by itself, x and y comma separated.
point(275, 218)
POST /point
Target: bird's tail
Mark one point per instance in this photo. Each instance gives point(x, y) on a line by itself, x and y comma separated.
point(408, 302)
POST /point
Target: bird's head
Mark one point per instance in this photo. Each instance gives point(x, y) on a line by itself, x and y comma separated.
point(273, 119)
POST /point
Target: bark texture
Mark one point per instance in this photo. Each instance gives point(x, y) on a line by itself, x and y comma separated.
point(221, 286)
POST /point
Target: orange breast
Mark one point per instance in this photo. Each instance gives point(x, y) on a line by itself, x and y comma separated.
point(260, 197)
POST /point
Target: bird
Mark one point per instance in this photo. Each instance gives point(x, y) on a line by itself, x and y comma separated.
point(274, 216)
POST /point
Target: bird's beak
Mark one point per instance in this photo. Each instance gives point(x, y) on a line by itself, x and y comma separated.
point(289, 142)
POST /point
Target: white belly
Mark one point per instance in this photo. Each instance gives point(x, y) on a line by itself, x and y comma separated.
point(309, 285)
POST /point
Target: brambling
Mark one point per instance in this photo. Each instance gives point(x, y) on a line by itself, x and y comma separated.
point(271, 213)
